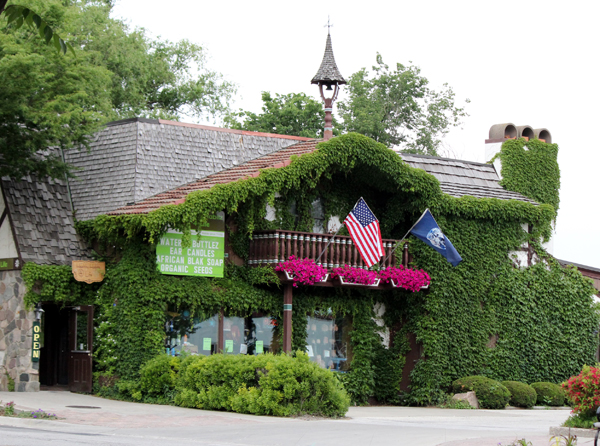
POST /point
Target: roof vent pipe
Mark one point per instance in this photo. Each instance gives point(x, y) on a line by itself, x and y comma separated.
point(503, 131)
point(526, 132)
point(543, 135)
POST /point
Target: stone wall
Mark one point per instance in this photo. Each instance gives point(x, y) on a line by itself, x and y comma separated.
point(16, 336)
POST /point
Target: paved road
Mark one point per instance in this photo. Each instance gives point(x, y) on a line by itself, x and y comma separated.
point(121, 423)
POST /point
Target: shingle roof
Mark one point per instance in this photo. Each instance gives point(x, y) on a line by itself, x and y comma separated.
point(578, 265)
point(328, 71)
point(134, 159)
point(251, 168)
point(43, 221)
point(459, 178)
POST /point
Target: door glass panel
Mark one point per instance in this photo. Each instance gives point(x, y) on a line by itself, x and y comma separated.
point(328, 342)
point(81, 343)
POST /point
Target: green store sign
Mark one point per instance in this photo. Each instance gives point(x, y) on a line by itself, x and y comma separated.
point(204, 258)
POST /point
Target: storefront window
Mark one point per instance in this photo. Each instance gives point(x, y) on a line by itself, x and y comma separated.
point(251, 335)
point(248, 336)
point(328, 342)
point(197, 336)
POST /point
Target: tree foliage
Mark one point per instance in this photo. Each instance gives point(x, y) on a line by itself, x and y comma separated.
point(50, 101)
point(398, 108)
point(294, 114)
point(46, 101)
point(18, 15)
point(151, 78)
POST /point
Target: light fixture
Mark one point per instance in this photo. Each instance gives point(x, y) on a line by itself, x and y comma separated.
point(38, 311)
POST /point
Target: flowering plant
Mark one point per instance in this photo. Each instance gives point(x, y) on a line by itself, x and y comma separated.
point(407, 278)
point(358, 276)
point(303, 271)
point(583, 390)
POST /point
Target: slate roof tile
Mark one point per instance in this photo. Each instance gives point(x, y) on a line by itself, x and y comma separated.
point(132, 159)
point(251, 167)
point(459, 178)
point(45, 233)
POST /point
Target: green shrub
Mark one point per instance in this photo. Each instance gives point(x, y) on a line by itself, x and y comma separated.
point(264, 385)
point(521, 394)
point(549, 394)
point(581, 420)
point(490, 393)
point(158, 378)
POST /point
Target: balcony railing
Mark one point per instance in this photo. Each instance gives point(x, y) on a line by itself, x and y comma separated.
point(273, 247)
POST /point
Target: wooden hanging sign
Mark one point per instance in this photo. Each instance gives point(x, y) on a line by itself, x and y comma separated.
point(88, 271)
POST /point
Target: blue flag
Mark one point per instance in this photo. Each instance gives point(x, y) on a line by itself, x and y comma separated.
point(427, 230)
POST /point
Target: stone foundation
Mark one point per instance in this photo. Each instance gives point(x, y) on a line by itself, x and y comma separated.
point(16, 336)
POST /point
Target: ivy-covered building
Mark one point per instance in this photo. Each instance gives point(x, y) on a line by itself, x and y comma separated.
point(193, 221)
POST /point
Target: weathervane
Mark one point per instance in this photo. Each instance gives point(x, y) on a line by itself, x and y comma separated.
point(328, 26)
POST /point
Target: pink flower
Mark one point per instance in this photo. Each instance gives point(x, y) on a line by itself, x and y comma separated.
point(355, 275)
point(304, 271)
point(406, 278)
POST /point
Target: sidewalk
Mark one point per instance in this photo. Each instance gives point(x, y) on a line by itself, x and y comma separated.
point(145, 424)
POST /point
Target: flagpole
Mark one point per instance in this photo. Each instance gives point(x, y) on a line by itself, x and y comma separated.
point(328, 243)
point(405, 235)
point(336, 233)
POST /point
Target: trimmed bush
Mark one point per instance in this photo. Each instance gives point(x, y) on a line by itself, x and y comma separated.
point(490, 393)
point(521, 394)
point(549, 394)
point(158, 378)
point(264, 385)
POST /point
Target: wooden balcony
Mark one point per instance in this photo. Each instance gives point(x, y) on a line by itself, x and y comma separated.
point(273, 247)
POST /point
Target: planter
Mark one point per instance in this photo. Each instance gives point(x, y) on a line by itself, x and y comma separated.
point(291, 277)
point(395, 285)
point(343, 282)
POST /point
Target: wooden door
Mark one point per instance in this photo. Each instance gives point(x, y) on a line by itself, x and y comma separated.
point(81, 330)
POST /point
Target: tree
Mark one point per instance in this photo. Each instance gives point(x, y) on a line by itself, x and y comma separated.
point(46, 101)
point(51, 101)
point(19, 15)
point(292, 114)
point(397, 108)
point(151, 78)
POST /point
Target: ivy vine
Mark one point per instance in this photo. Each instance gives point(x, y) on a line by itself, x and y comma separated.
point(485, 316)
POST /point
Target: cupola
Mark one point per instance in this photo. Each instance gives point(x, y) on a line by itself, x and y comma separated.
point(329, 77)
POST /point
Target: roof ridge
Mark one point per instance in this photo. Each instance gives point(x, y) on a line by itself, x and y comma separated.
point(206, 127)
point(476, 163)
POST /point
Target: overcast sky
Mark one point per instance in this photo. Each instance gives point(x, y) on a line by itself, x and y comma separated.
point(526, 62)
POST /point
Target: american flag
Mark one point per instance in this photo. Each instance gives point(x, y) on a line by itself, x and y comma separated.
point(364, 230)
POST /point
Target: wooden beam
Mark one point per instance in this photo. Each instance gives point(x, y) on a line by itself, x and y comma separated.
point(287, 317)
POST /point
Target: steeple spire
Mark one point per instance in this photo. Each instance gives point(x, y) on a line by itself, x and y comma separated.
point(328, 73)
point(329, 76)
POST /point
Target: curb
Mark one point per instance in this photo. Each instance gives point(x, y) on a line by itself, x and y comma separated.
point(582, 433)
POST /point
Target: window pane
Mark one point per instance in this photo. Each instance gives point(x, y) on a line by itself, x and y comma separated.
point(197, 336)
point(260, 334)
point(82, 331)
point(248, 336)
point(328, 342)
point(234, 339)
